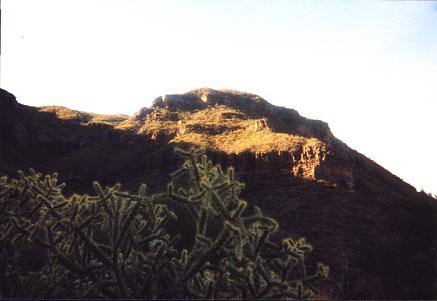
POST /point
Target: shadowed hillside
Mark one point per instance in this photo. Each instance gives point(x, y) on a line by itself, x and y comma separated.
point(375, 231)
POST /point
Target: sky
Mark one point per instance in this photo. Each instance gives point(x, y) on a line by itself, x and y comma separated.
point(368, 68)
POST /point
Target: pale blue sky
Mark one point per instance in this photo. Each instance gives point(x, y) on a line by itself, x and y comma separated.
point(368, 68)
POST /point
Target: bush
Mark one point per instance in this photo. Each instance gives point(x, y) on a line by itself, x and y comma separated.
point(117, 244)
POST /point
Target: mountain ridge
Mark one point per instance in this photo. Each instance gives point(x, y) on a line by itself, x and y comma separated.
point(374, 230)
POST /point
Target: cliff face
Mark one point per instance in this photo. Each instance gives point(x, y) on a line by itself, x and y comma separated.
point(255, 134)
point(376, 232)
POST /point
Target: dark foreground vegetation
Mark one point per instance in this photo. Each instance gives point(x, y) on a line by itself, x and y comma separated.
point(198, 239)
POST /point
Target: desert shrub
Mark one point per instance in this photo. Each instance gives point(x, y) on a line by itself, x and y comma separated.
point(117, 244)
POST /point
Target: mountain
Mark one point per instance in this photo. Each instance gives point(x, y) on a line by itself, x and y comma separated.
point(375, 231)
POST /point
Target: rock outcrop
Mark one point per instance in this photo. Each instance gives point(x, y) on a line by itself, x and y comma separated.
point(245, 125)
point(7, 99)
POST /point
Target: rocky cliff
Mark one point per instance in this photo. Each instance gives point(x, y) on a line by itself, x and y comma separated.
point(255, 135)
point(375, 231)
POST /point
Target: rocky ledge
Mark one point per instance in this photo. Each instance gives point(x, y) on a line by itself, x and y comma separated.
point(256, 136)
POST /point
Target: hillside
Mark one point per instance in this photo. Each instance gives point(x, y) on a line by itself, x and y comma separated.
point(374, 230)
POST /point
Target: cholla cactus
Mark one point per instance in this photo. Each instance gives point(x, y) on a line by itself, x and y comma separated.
point(115, 244)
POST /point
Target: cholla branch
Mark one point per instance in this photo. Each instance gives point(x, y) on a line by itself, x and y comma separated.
point(117, 244)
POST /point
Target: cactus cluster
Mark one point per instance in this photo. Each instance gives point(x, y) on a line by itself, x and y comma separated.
point(116, 244)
